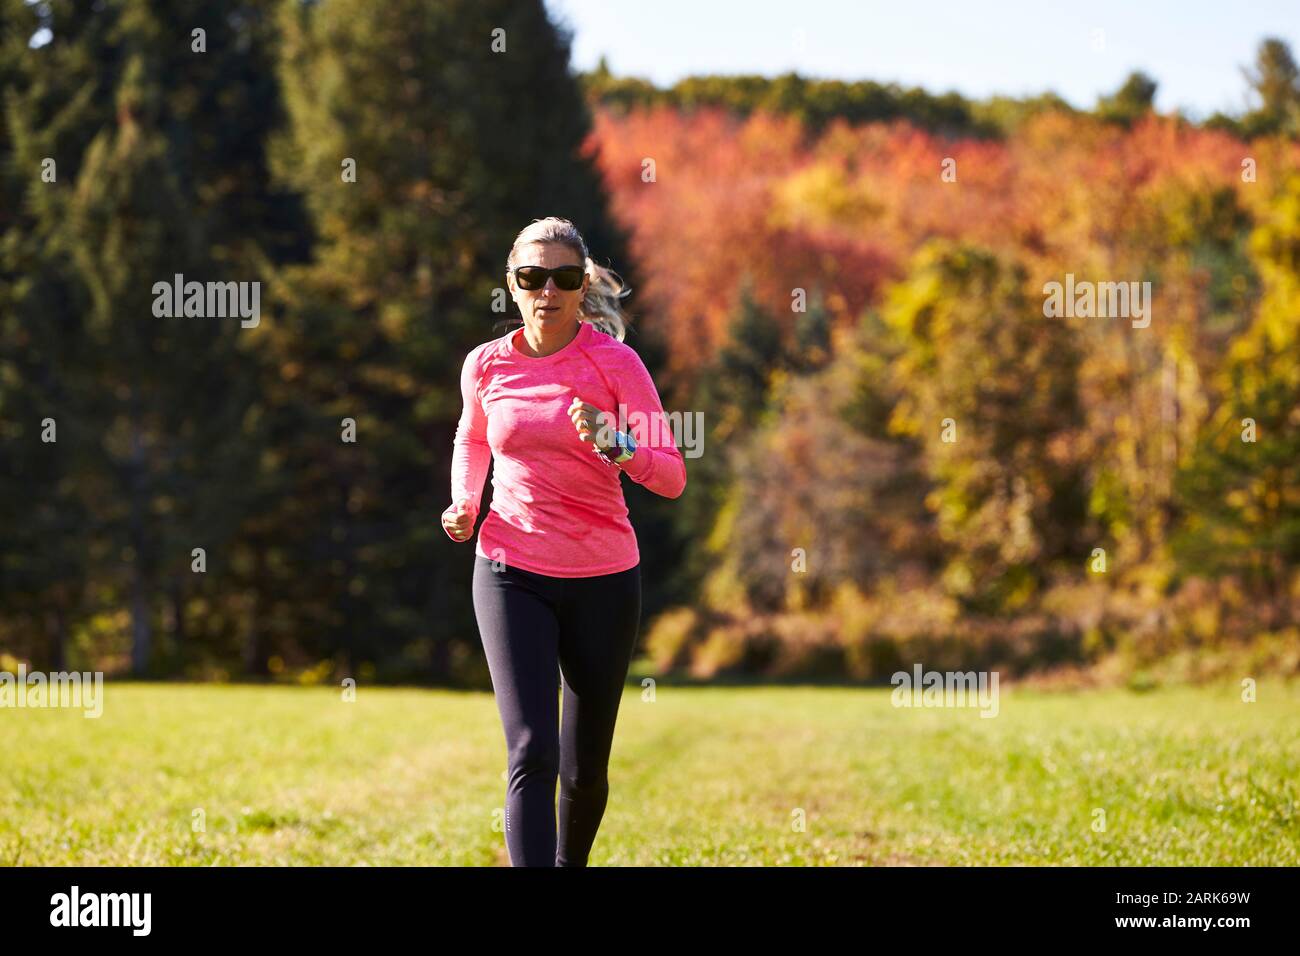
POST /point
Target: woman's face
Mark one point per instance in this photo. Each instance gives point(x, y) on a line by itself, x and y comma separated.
point(548, 309)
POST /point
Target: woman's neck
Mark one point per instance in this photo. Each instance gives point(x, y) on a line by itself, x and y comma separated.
point(539, 348)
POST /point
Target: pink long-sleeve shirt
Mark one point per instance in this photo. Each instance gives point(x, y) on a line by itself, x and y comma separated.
point(557, 507)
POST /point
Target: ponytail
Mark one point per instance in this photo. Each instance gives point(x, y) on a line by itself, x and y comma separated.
point(601, 306)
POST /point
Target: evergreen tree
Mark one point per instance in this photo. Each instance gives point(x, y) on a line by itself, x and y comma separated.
point(51, 104)
point(1276, 81)
point(461, 124)
point(812, 334)
point(732, 394)
point(158, 152)
point(1132, 101)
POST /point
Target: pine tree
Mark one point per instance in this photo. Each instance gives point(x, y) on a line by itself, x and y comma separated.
point(159, 171)
point(812, 330)
point(49, 109)
point(733, 395)
point(423, 137)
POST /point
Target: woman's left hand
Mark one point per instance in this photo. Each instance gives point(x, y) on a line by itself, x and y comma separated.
point(591, 423)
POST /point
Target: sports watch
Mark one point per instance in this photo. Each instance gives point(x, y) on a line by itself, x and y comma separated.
point(624, 446)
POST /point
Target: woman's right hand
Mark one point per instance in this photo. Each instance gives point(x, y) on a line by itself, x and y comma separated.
point(458, 520)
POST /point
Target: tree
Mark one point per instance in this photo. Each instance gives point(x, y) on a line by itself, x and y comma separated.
point(1243, 488)
point(413, 221)
point(989, 387)
point(1133, 100)
point(812, 334)
point(158, 149)
point(733, 396)
point(1276, 81)
point(826, 478)
point(44, 559)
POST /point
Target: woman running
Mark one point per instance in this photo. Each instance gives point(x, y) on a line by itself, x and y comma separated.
point(563, 408)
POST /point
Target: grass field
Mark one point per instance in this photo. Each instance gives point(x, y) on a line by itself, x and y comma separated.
point(699, 776)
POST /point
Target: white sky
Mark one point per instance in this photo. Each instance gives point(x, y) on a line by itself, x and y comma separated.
point(1194, 49)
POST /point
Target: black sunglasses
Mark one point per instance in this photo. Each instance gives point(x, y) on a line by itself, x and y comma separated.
point(567, 278)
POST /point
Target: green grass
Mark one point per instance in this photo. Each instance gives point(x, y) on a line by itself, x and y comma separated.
point(713, 776)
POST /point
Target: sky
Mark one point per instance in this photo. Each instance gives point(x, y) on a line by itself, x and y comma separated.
point(1194, 49)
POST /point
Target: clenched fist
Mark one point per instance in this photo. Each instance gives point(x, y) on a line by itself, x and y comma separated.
point(458, 519)
point(592, 424)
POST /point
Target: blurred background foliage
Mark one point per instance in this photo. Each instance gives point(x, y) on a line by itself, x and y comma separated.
point(1098, 512)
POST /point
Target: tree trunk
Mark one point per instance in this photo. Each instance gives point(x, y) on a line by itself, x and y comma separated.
point(57, 631)
point(255, 649)
point(177, 599)
point(141, 627)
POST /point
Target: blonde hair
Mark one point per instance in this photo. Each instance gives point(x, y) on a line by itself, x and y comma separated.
point(600, 306)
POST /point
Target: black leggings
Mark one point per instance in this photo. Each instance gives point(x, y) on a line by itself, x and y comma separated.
point(536, 628)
